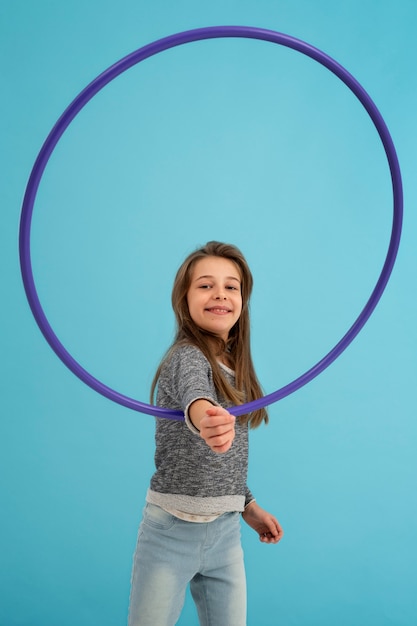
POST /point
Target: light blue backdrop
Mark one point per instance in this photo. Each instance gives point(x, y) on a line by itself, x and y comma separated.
point(241, 141)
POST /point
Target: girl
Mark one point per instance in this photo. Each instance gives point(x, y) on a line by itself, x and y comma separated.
point(190, 532)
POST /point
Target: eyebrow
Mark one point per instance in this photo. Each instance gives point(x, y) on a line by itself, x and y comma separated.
point(212, 277)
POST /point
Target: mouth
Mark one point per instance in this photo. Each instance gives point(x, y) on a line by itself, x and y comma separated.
point(219, 310)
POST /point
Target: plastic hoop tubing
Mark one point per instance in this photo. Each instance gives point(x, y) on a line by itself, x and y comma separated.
point(91, 90)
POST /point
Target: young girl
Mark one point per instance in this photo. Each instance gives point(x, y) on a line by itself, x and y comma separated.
point(190, 532)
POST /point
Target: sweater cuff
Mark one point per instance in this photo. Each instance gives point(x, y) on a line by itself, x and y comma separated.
point(248, 497)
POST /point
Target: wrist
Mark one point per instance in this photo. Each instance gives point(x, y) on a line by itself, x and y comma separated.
point(194, 413)
point(193, 425)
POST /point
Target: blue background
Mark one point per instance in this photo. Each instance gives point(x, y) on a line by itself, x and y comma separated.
point(235, 140)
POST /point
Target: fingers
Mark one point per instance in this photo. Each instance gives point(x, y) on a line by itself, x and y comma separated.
point(273, 533)
point(268, 538)
point(222, 445)
point(219, 411)
point(217, 429)
point(218, 441)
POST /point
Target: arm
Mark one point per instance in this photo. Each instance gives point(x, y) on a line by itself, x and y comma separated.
point(216, 425)
point(266, 525)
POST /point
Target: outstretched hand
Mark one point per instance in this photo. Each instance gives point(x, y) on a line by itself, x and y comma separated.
point(217, 428)
point(266, 525)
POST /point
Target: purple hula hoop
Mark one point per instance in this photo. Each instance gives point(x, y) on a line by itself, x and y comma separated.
point(90, 91)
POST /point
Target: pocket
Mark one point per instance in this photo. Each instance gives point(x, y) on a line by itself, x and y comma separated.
point(155, 517)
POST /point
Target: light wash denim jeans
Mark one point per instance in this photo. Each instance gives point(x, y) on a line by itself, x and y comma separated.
point(171, 553)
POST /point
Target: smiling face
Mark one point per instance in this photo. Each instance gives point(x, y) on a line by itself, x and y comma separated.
point(214, 297)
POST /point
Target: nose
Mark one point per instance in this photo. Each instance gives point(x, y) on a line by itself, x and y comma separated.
point(220, 294)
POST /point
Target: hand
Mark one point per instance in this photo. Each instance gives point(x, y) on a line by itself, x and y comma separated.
point(265, 524)
point(217, 428)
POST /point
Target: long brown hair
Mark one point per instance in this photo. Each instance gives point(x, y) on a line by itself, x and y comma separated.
point(237, 347)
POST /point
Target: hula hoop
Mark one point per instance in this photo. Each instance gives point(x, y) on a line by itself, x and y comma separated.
point(90, 91)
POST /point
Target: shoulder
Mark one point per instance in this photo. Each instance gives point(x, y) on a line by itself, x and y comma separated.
point(185, 375)
point(184, 360)
point(186, 355)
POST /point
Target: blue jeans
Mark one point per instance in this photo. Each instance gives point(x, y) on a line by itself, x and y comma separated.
point(171, 553)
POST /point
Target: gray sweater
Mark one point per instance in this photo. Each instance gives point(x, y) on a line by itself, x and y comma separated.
point(189, 476)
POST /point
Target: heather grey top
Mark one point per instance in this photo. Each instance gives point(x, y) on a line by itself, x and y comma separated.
point(189, 476)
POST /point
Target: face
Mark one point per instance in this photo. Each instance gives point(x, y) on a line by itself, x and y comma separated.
point(214, 297)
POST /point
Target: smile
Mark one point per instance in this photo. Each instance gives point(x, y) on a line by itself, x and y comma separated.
point(218, 310)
